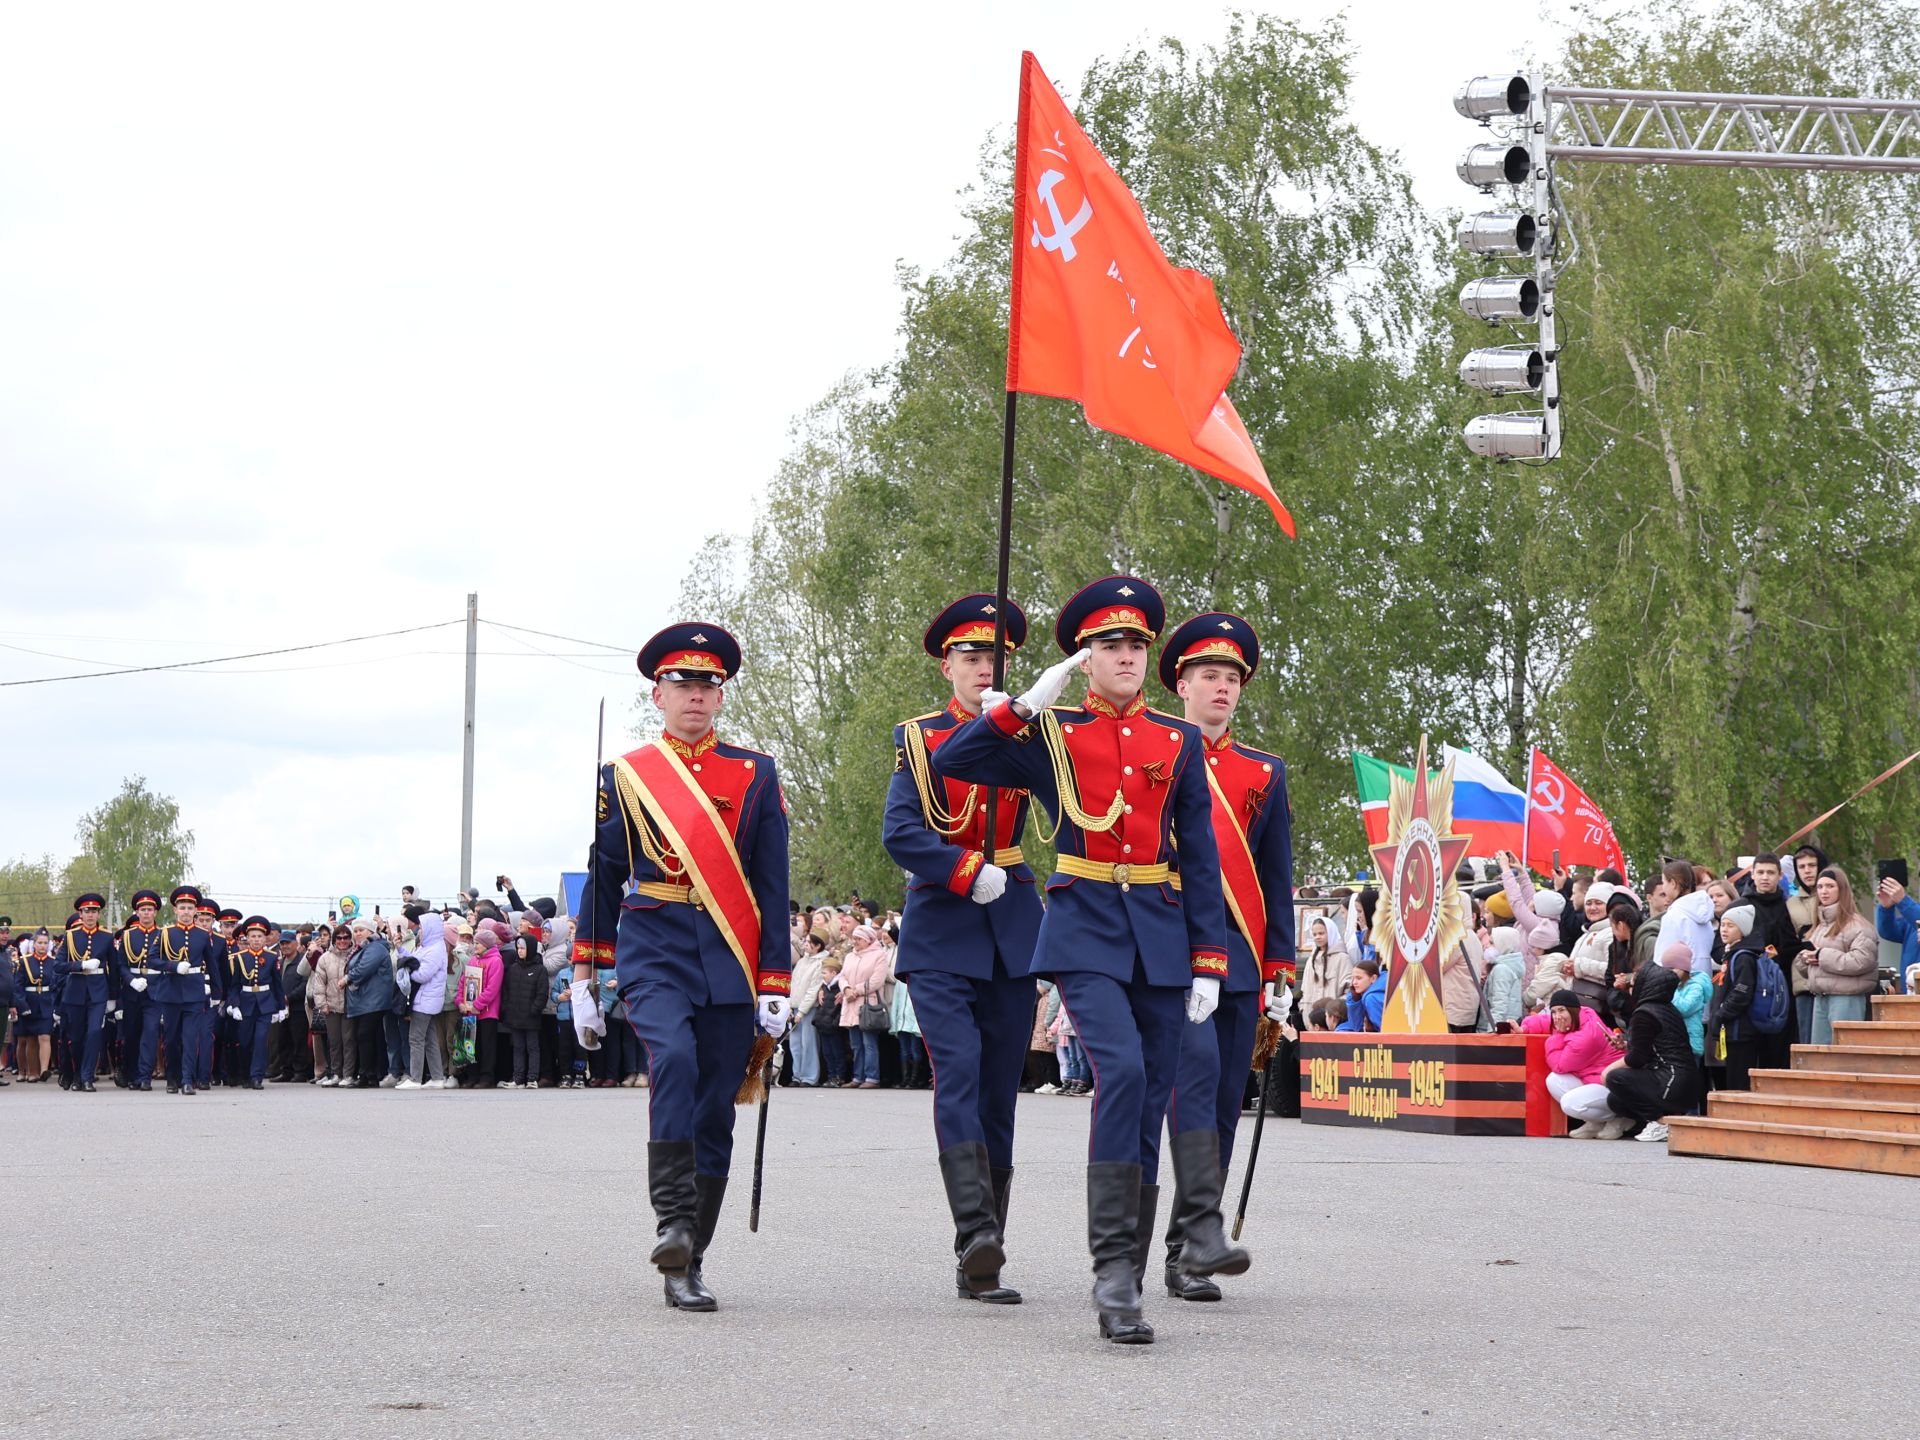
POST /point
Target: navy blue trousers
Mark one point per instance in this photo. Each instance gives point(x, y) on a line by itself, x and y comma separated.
point(976, 1033)
point(139, 1037)
point(252, 1042)
point(200, 1043)
point(83, 1024)
point(1131, 1034)
point(1212, 1076)
point(696, 1058)
point(177, 1023)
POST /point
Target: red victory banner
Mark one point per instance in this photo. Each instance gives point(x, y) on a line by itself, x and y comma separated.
point(1561, 817)
point(1100, 317)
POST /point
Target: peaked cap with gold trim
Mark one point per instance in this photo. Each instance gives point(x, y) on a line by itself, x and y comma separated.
point(1216, 637)
point(967, 624)
point(1117, 605)
point(691, 650)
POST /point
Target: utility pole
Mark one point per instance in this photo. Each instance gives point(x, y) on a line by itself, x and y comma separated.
point(466, 755)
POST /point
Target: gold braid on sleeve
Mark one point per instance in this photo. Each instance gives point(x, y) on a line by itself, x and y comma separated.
point(669, 865)
point(1070, 809)
point(938, 819)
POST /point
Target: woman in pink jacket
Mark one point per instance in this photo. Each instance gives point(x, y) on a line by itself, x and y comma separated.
point(1579, 1049)
point(486, 1006)
point(863, 978)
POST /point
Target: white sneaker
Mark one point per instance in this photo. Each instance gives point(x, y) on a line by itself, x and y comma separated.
point(1615, 1129)
point(1046, 1090)
point(409, 1084)
point(1589, 1130)
point(448, 1083)
point(1654, 1133)
point(328, 1080)
point(387, 1082)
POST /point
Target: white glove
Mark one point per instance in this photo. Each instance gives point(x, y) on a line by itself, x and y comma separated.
point(1203, 999)
point(185, 967)
point(1052, 681)
point(119, 1015)
point(588, 1023)
point(56, 1019)
point(138, 983)
point(773, 1014)
point(1280, 1004)
point(91, 965)
point(233, 1012)
point(989, 885)
point(278, 1016)
point(991, 697)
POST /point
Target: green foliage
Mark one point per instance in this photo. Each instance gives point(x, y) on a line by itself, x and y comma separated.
point(32, 894)
point(132, 841)
point(1739, 367)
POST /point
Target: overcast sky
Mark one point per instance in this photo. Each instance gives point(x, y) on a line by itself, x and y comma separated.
point(314, 318)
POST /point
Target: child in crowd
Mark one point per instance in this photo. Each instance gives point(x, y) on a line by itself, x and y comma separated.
point(572, 1067)
point(836, 1059)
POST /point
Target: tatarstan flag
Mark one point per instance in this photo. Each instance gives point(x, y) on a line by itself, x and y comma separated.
point(1099, 316)
point(1485, 805)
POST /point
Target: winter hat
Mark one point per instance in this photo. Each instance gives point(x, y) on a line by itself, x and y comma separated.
point(1506, 940)
point(546, 907)
point(1743, 918)
point(1498, 907)
point(1564, 1000)
point(1600, 890)
point(1549, 904)
point(498, 930)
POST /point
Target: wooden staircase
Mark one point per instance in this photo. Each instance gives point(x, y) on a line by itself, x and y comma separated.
point(1851, 1105)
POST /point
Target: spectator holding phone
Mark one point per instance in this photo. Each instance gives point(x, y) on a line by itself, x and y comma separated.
point(1897, 918)
point(1842, 958)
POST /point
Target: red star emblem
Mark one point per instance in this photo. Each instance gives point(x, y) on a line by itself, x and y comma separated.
point(1414, 868)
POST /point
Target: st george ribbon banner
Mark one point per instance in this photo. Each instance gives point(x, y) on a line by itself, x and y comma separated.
point(1561, 817)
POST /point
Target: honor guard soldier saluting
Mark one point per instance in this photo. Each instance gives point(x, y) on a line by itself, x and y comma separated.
point(84, 969)
point(186, 955)
point(255, 997)
point(138, 962)
point(700, 829)
point(1134, 960)
point(966, 943)
point(1205, 662)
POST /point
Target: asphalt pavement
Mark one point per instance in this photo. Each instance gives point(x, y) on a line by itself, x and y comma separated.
point(335, 1264)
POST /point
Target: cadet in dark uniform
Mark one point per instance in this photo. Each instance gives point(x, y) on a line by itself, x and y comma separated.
point(33, 1005)
point(85, 965)
point(1135, 961)
point(186, 955)
point(223, 1031)
point(255, 998)
point(1205, 662)
point(137, 962)
point(966, 944)
point(700, 827)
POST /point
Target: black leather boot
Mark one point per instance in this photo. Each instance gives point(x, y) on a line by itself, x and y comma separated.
point(670, 1186)
point(1196, 1210)
point(689, 1291)
point(995, 1293)
point(1143, 1233)
point(1180, 1285)
point(1113, 1224)
point(976, 1229)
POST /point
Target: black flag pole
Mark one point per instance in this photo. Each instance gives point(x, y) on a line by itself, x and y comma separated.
point(1000, 591)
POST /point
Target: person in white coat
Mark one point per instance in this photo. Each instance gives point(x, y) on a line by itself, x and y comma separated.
point(426, 965)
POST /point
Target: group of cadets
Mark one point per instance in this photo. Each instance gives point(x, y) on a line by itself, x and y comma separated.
point(208, 982)
point(1167, 928)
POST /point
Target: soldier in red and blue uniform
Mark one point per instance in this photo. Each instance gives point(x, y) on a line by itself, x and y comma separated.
point(186, 957)
point(223, 1031)
point(136, 963)
point(1135, 961)
point(1206, 662)
point(693, 999)
point(83, 979)
point(966, 942)
point(255, 997)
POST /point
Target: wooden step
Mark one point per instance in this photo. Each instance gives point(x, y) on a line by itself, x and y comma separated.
point(1831, 1147)
point(1837, 1085)
point(1877, 1032)
point(1896, 1007)
point(1861, 1059)
point(1901, 1117)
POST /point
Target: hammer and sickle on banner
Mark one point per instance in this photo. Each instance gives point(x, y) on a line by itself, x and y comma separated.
point(1063, 229)
point(1550, 796)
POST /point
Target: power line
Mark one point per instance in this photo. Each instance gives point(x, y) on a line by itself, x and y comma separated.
point(552, 655)
point(223, 659)
point(528, 630)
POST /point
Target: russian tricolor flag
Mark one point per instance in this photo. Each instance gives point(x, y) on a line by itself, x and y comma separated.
point(1486, 805)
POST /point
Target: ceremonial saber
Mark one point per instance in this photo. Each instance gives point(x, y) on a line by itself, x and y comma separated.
point(1253, 1150)
point(760, 1145)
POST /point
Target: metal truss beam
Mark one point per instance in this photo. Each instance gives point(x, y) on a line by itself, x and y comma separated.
point(1773, 132)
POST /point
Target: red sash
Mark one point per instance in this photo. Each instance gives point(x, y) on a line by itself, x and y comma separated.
point(675, 803)
point(1239, 877)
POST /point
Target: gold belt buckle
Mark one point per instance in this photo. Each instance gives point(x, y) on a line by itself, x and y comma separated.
point(695, 898)
point(1122, 876)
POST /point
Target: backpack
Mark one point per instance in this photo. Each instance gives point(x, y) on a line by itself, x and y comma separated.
point(1772, 1001)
